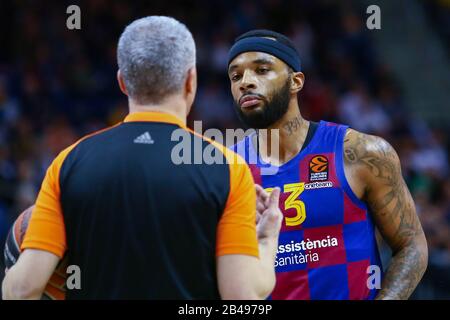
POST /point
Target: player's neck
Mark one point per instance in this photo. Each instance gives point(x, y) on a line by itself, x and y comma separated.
point(174, 105)
point(290, 131)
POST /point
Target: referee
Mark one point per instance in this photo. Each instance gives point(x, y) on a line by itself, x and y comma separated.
point(136, 224)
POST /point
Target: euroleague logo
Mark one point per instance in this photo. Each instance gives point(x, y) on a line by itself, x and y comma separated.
point(318, 168)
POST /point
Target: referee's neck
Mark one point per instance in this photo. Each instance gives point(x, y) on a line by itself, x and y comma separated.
point(173, 105)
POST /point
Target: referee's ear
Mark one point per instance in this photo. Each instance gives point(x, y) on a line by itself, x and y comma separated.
point(190, 88)
point(121, 82)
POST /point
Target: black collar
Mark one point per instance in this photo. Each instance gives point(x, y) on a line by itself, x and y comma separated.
point(311, 130)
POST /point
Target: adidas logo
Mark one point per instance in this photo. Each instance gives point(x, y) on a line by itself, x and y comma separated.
point(144, 138)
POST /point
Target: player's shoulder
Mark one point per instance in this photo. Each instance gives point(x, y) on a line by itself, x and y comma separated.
point(372, 154)
point(367, 143)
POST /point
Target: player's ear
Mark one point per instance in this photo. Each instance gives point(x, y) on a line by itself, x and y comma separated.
point(297, 81)
point(121, 82)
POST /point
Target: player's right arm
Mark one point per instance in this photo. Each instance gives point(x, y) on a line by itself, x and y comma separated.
point(245, 252)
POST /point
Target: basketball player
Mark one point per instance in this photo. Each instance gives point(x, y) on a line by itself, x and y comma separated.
point(338, 185)
point(137, 225)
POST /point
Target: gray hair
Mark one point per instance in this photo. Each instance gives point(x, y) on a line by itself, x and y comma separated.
point(154, 54)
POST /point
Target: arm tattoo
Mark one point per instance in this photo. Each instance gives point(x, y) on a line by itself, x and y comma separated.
point(393, 210)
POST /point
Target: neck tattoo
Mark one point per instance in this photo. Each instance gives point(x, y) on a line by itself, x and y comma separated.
point(293, 125)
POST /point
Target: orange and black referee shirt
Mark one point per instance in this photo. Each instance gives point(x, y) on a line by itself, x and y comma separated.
point(138, 225)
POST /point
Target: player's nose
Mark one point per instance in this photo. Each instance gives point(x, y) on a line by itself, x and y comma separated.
point(248, 81)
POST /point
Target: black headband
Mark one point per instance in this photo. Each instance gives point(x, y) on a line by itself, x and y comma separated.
point(273, 47)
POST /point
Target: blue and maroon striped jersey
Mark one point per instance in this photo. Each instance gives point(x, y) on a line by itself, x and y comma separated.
point(327, 240)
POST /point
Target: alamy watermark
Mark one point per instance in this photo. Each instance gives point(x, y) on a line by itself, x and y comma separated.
point(373, 22)
point(191, 148)
point(73, 21)
point(73, 281)
point(374, 279)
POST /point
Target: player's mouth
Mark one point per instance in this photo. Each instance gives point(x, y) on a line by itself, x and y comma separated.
point(249, 100)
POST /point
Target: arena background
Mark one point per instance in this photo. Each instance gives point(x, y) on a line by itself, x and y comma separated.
point(57, 85)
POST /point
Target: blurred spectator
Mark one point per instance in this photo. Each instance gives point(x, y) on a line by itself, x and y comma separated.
point(303, 37)
point(431, 157)
point(361, 112)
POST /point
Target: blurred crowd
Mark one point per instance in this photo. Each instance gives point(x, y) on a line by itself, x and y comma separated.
point(58, 84)
point(438, 12)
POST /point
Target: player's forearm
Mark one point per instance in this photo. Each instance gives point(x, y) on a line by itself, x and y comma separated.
point(405, 271)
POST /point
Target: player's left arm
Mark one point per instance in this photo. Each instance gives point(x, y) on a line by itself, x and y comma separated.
point(377, 168)
point(28, 278)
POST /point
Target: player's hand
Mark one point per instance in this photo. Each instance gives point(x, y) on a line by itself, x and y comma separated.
point(268, 214)
point(262, 201)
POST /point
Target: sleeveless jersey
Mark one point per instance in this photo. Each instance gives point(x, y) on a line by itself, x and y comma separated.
point(327, 247)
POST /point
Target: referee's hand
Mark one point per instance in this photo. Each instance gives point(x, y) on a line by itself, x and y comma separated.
point(268, 214)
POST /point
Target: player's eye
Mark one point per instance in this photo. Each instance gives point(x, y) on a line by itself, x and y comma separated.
point(262, 70)
point(235, 77)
